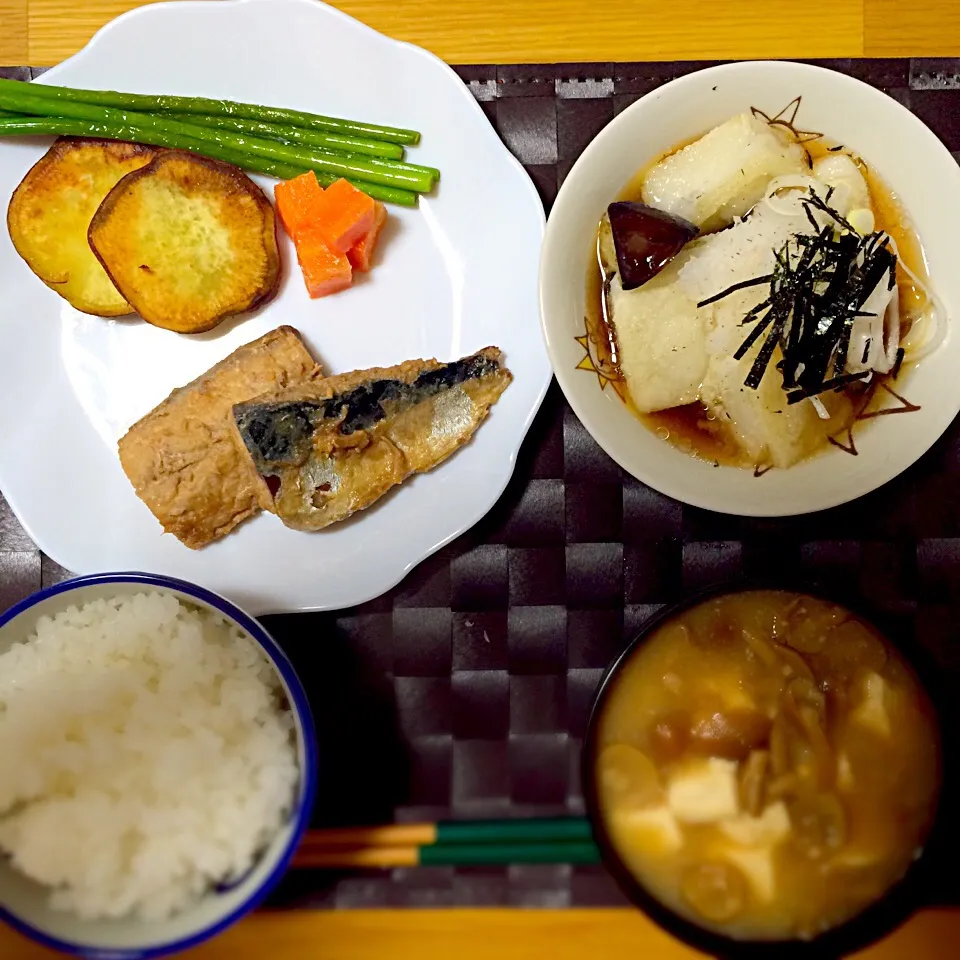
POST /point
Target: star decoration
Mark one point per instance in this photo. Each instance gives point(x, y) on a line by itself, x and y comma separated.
point(905, 406)
point(591, 365)
point(787, 118)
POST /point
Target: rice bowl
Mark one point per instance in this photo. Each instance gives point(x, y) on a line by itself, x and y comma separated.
point(160, 765)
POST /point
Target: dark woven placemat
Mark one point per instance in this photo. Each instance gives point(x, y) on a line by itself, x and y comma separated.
point(464, 691)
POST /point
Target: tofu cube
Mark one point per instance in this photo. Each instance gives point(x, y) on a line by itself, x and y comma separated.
point(756, 864)
point(654, 830)
point(845, 780)
point(704, 791)
point(772, 826)
point(871, 712)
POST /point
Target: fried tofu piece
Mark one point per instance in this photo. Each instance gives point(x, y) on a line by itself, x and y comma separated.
point(662, 338)
point(181, 457)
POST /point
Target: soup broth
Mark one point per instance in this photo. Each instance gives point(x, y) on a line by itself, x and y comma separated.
point(767, 765)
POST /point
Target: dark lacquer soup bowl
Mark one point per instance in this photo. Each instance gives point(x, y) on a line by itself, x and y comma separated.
point(765, 771)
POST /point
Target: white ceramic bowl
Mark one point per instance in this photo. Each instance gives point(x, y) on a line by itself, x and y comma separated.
point(908, 156)
point(23, 903)
point(456, 273)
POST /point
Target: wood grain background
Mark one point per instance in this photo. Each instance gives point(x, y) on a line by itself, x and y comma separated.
point(482, 934)
point(44, 32)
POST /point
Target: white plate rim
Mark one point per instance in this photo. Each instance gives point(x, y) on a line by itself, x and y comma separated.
point(510, 456)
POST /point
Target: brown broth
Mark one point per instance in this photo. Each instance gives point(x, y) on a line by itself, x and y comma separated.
point(693, 428)
point(820, 754)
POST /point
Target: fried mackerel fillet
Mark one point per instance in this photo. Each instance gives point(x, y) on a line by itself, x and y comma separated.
point(333, 446)
point(181, 457)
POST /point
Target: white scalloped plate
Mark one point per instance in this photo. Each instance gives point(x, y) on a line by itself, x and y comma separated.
point(456, 274)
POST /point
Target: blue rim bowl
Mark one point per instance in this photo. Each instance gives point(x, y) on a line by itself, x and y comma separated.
point(136, 940)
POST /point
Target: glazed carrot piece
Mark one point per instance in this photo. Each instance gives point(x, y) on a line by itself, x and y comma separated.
point(298, 202)
point(324, 270)
point(344, 215)
point(361, 253)
point(335, 231)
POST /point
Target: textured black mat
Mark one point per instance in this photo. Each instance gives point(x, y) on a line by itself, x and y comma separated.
point(464, 691)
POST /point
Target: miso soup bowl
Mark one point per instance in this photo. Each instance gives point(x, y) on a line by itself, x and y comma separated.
point(897, 145)
point(24, 904)
point(877, 920)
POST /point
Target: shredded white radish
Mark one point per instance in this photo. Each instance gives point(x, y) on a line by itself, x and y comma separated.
point(859, 341)
point(822, 411)
point(921, 341)
point(791, 181)
point(870, 333)
point(876, 305)
point(891, 330)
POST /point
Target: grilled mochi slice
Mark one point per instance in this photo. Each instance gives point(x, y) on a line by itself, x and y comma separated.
point(334, 446)
point(767, 429)
point(722, 175)
point(661, 333)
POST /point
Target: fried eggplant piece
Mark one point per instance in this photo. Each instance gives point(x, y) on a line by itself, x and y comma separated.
point(188, 241)
point(50, 212)
point(331, 447)
point(181, 457)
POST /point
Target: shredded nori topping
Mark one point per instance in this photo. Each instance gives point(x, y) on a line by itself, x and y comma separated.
point(818, 287)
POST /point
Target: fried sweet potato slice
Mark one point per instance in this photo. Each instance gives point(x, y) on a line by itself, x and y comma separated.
point(51, 210)
point(188, 241)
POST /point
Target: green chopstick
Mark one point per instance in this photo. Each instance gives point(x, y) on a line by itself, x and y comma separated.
point(451, 843)
point(496, 854)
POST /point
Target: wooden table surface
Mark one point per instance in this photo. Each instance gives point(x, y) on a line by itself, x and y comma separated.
point(44, 32)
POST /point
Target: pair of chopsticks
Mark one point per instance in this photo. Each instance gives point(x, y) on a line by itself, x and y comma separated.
point(457, 843)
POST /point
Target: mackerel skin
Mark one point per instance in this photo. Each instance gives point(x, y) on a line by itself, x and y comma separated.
point(333, 446)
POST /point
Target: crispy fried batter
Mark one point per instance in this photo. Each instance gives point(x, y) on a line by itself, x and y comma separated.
point(188, 241)
point(181, 457)
point(51, 210)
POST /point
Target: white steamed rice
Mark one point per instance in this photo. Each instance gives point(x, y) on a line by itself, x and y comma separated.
point(143, 755)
